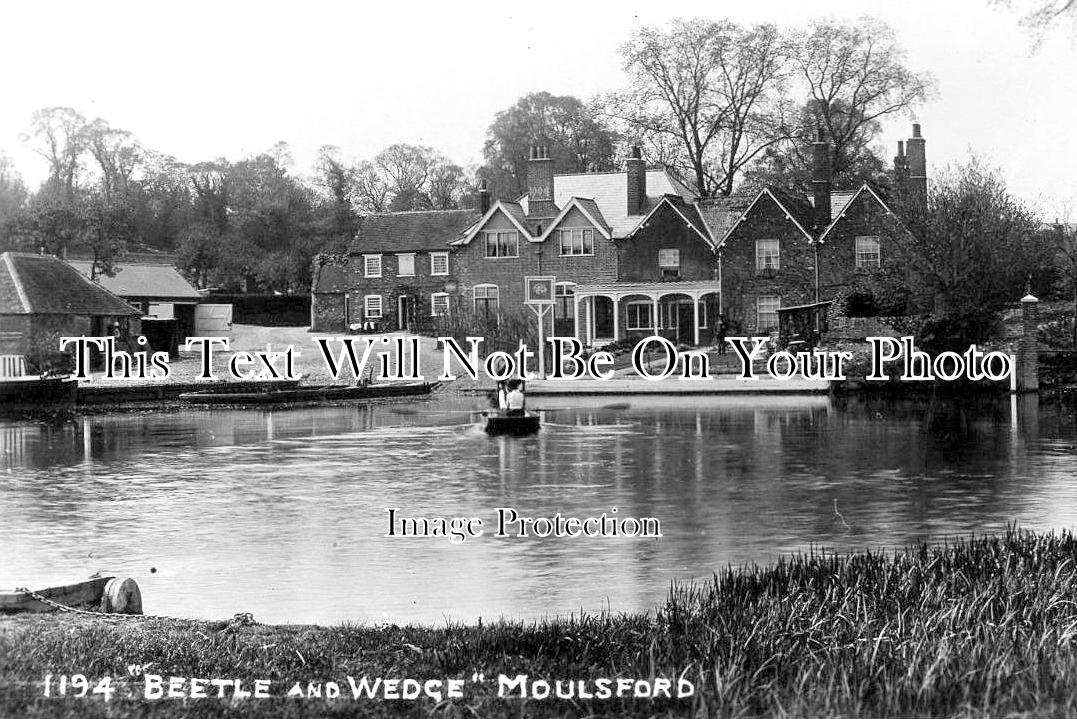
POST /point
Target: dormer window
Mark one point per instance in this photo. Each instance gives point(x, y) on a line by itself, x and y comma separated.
point(503, 243)
point(577, 242)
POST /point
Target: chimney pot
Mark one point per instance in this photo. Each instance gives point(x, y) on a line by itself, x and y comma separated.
point(636, 154)
point(901, 148)
point(916, 129)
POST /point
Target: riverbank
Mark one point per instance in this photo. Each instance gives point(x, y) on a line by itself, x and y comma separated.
point(981, 627)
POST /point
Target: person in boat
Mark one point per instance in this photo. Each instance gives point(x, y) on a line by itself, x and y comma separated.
point(515, 400)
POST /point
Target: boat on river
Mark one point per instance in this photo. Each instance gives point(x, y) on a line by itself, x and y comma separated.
point(513, 425)
point(319, 393)
point(112, 595)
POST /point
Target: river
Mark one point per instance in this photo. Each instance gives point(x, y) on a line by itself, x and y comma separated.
point(283, 513)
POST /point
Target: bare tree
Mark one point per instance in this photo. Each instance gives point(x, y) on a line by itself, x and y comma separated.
point(714, 88)
point(855, 75)
point(1042, 15)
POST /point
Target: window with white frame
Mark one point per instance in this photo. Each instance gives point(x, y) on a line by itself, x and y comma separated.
point(766, 255)
point(372, 306)
point(439, 304)
point(577, 242)
point(503, 243)
point(372, 265)
point(564, 301)
point(669, 263)
point(639, 315)
point(766, 308)
point(405, 264)
point(486, 300)
point(439, 263)
point(867, 252)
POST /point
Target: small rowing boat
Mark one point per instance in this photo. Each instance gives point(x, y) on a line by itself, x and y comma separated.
point(112, 595)
point(320, 393)
point(513, 425)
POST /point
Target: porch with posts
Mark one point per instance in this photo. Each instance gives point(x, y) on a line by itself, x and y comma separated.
point(598, 309)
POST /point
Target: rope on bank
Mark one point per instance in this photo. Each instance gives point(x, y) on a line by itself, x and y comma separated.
point(241, 619)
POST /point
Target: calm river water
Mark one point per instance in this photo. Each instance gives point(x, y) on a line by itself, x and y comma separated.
point(282, 513)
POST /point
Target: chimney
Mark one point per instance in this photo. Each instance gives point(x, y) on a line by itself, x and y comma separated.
point(821, 180)
point(636, 169)
point(540, 184)
point(917, 163)
point(484, 198)
point(901, 170)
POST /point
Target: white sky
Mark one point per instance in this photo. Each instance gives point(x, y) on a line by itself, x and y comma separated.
point(201, 80)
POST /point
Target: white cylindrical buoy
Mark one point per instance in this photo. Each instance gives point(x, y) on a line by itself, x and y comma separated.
point(122, 596)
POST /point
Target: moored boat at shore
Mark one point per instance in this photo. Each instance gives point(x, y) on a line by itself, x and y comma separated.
point(318, 393)
point(112, 595)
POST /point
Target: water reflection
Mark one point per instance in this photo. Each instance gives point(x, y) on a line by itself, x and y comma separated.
point(282, 513)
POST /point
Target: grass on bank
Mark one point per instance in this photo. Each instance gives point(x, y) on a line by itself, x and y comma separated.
point(980, 627)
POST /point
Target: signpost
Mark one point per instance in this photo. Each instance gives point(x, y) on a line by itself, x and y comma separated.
point(539, 296)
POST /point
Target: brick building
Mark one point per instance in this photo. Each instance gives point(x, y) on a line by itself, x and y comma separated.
point(634, 253)
point(630, 251)
point(787, 250)
point(397, 274)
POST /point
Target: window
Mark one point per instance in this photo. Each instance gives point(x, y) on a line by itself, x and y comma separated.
point(405, 264)
point(564, 305)
point(503, 244)
point(372, 265)
point(766, 256)
point(373, 306)
point(766, 307)
point(439, 263)
point(439, 304)
point(577, 242)
point(867, 252)
point(669, 263)
point(486, 300)
point(639, 315)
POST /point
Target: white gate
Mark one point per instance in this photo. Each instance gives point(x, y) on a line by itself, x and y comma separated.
point(212, 320)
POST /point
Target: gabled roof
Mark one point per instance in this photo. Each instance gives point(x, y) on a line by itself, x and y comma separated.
point(143, 280)
point(42, 284)
point(609, 191)
point(865, 188)
point(688, 212)
point(796, 211)
point(430, 230)
point(590, 210)
point(722, 213)
point(512, 210)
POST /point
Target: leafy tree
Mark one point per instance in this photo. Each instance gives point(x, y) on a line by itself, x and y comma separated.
point(13, 197)
point(713, 90)
point(970, 252)
point(61, 140)
point(1062, 236)
point(575, 136)
point(338, 182)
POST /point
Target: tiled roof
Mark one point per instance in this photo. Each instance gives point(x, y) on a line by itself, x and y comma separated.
point(331, 278)
point(151, 281)
point(594, 211)
point(609, 191)
point(721, 213)
point(411, 231)
point(42, 284)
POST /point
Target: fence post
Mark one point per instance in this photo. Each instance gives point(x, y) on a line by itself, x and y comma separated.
point(1027, 356)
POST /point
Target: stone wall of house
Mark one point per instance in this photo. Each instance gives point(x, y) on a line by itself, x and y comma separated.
point(742, 284)
point(327, 312)
point(838, 272)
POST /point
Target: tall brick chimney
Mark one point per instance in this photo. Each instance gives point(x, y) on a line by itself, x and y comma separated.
point(540, 184)
point(820, 183)
point(917, 162)
point(636, 169)
point(901, 169)
point(484, 198)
